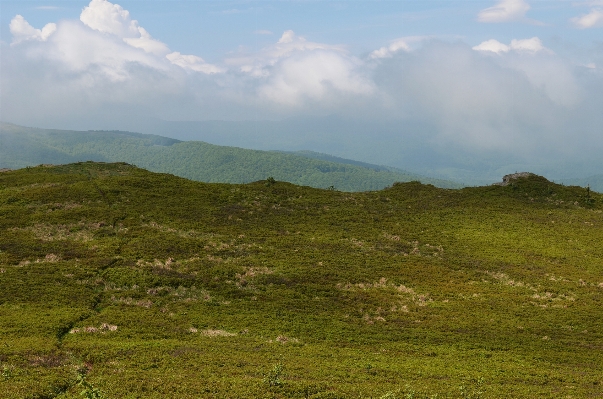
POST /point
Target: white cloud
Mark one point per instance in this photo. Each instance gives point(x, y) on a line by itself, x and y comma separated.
point(296, 73)
point(256, 64)
point(76, 48)
point(289, 42)
point(515, 102)
point(106, 17)
point(106, 42)
point(504, 11)
point(23, 31)
point(317, 76)
point(193, 63)
point(147, 43)
point(532, 45)
point(554, 78)
point(492, 45)
point(591, 20)
point(394, 46)
point(516, 96)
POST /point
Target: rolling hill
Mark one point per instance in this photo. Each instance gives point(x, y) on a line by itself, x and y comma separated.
point(594, 182)
point(116, 282)
point(195, 160)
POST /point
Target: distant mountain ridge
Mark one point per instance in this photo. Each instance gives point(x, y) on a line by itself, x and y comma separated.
point(196, 160)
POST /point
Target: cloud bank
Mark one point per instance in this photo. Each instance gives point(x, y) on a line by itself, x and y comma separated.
point(518, 96)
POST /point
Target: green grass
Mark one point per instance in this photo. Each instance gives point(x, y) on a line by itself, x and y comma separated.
point(147, 285)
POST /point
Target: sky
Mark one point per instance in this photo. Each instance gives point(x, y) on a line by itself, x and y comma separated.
point(515, 80)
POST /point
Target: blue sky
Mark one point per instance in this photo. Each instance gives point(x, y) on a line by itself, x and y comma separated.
point(212, 29)
point(479, 76)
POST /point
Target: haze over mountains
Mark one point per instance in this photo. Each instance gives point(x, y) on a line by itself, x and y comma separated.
point(408, 151)
point(183, 156)
point(457, 90)
point(196, 160)
point(412, 145)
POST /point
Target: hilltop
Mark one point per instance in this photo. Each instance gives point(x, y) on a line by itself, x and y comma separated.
point(196, 160)
point(149, 285)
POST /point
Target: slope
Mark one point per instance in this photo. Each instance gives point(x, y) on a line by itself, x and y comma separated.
point(594, 182)
point(148, 285)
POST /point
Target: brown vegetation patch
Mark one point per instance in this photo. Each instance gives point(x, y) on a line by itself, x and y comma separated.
point(49, 360)
point(398, 303)
point(49, 258)
point(180, 233)
point(145, 303)
point(282, 339)
point(210, 332)
point(540, 299)
point(91, 329)
point(185, 294)
point(243, 279)
point(75, 231)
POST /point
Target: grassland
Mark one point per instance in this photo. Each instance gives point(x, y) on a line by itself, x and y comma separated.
point(117, 282)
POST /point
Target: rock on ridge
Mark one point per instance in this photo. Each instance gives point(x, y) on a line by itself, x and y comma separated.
point(508, 179)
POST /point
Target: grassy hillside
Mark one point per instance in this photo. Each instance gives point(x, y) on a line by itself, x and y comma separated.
point(594, 182)
point(194, 159)
point(144, 285)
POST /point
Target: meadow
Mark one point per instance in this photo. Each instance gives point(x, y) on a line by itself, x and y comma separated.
point(116, 282)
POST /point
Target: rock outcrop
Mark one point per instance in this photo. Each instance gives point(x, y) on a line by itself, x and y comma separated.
point(508, 179)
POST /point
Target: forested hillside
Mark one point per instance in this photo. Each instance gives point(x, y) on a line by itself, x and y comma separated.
point(195, 160)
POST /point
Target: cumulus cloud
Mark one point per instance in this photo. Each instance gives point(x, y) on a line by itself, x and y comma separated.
point(193, 63)
point(493, 46)
point(504, 11)
point(289, 43)
point(516, 96)
point(403, 43)
point(78, 49)
point(529, 45)
point(147, 43)
point(106, 17)
point(23, 31)
point(96, 42)
point(314, 75)
point(103, 16)
point(591, 20)
point(109, 18)
point(294, 72)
